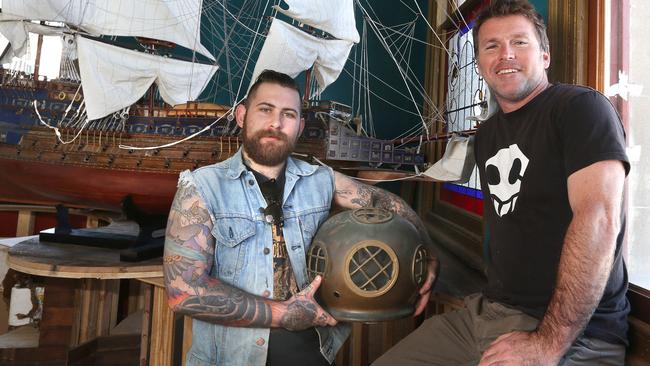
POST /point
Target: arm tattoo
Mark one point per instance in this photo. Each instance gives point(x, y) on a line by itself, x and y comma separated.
point(228, 306)
point(188, 259)
point(370, 196)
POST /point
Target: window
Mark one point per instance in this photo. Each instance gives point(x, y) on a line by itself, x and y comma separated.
point(627, 83)
point(466, 94)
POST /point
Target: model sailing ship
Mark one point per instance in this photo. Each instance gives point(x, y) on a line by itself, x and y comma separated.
point(100, 133)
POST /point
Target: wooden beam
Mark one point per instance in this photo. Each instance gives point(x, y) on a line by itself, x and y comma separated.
point(568, 27)
point(596, 48)
point(388, 336)
point(162, 330)
point(359, 343)
point(25, 224)
point(187, 337)
point(343, 356)
point(146, 324)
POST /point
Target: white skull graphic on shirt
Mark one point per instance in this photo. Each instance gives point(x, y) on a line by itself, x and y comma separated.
point(504, 173)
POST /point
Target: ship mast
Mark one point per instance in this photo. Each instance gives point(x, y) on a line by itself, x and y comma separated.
point(305, 97)
point(37, 62)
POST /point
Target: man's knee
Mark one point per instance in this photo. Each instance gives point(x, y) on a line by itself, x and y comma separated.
point(441, 340)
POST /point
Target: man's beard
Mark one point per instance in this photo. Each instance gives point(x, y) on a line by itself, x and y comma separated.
point(271, 153)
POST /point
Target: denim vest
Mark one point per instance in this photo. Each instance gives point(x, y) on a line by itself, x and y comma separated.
point(242, 259)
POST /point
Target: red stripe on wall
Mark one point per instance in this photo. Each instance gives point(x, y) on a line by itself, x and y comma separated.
point(465, 202)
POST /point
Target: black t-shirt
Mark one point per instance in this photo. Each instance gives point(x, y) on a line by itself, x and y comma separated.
point(285, 347)
point(524, 159)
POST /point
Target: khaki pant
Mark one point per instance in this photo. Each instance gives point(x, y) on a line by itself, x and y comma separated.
point(460, 337)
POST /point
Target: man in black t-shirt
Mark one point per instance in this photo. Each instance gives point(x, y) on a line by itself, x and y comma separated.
point(552, 165)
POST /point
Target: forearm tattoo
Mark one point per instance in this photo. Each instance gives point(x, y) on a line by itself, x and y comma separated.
point(188, 259)
point(228, 306)
point(370, 196)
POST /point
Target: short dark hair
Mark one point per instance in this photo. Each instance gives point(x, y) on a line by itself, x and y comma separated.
point(272, 77)
point(502, 8)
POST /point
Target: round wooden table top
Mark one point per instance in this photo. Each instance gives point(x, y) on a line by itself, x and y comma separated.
point(77, 261)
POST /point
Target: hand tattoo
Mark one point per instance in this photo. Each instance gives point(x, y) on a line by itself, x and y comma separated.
point(300, 315)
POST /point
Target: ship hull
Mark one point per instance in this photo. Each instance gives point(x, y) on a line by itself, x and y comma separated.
point(95, 173)
point(49, 184)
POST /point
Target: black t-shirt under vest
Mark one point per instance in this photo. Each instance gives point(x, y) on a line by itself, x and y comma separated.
point(524, 159)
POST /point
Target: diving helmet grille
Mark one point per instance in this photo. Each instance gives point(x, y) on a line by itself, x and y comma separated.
point(316, 261)
point(372, 269)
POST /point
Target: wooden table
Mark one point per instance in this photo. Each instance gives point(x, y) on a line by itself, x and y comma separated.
point(77, 261)
point(81, 296)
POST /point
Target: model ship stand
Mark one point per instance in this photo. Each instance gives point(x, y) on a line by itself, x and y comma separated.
point(138, 238)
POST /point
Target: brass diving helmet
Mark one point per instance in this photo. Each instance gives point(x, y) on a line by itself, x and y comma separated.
point(372, 262)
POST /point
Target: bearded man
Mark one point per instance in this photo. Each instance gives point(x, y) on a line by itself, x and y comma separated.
point(238, 234)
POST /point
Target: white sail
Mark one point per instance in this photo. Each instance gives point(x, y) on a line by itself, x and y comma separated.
point(113, 78)
point(17, 34)
point(335, 17)
point(18, 38)
point(174, 21)
point(457, 163)
point(291, 51)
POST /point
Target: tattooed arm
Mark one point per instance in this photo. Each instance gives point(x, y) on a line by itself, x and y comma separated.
point(352, 194)
point(188, 258)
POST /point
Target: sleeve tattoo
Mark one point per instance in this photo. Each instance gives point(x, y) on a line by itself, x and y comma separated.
point(188, 259)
